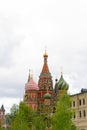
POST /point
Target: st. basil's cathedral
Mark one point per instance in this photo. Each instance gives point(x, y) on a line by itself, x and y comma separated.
point(42, 94)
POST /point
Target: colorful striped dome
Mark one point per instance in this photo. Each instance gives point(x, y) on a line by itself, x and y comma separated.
point(31, 85)
point(62, 84)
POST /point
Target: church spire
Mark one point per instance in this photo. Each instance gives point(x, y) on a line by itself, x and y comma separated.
point(45, 68)
point(61, 71)
point(45, 55)
point(30, 75)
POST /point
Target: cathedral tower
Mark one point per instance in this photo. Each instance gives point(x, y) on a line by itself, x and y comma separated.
point(31, 93)
point(45, 81)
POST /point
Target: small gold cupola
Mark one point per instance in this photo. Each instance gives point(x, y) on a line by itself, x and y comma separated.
point(45, 54)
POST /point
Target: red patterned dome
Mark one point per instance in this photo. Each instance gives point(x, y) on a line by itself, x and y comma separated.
point(31, 85)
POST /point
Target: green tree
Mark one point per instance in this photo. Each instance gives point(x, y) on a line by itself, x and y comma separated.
point(26, 112)
point(40, 122)
point(10, 116)
point(19, 123)
point(62, 118)
point(23, 117)
point(1, 126)
point(14, 109)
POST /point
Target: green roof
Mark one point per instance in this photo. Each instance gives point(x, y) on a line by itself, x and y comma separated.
point(47, 96)
point(62, 84)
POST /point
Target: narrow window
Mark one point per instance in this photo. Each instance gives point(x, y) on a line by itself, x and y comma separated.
point(84, 113)
point(83, 101)
point(80, 102)
point(74, 115)
point(80, 114)
point(73, 103)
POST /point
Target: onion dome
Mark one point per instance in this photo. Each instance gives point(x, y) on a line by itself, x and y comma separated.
point(47, 96)
point(45, 54)
point(45, 66)
point(31, 85)
point(62, 84)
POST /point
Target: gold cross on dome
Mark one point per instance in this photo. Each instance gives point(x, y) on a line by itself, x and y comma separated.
point(61, 70)
point(45, 49)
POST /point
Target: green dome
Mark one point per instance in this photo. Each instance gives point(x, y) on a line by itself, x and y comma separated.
point(62, 84)
point(47, 96)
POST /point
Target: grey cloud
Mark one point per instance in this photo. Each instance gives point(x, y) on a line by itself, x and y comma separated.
point(8, 42)
point(12, 90)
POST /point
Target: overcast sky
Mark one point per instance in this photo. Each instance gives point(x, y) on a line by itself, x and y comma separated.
point(26, 28)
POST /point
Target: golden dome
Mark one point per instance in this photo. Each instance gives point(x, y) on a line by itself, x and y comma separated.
point(45, 54)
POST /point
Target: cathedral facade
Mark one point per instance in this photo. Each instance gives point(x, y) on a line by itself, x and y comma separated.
point(42, 94)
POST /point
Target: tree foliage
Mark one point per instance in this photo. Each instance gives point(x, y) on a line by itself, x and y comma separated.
point(62, 119)
point(22, 118)
point(14, 109)
point(40, 122)
point(25, 118)
point(1, 126)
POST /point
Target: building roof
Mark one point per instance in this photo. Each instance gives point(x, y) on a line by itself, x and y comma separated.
point(31, 85)
point(62, 84)
point(47, 96)
point(45, 68)
point(83, 91)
